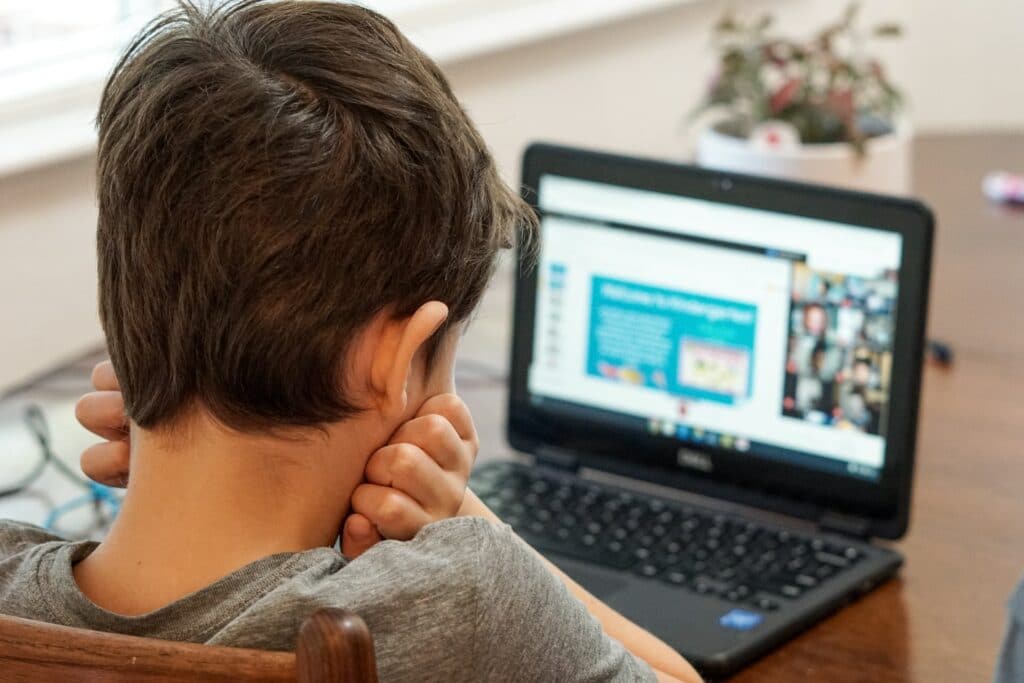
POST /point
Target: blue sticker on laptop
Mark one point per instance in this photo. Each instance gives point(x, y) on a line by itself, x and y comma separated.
point(740, 619)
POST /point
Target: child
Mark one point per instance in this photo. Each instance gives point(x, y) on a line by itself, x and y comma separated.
point(295, 220)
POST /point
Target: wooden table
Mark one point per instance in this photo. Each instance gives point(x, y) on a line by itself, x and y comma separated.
point(943, 619)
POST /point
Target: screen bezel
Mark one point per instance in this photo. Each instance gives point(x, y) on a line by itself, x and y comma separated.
point(795, 489)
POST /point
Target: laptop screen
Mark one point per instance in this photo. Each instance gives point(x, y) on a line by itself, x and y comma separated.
point(760, 333)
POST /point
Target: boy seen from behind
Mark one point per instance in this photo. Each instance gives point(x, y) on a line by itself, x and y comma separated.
point(296, 221)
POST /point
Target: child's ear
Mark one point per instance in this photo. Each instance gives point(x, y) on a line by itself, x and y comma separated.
point(398, 344)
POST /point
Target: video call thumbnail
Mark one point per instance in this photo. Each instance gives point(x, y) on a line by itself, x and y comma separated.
point(840, 349)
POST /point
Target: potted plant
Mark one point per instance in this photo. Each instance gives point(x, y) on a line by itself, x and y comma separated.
point(817, 110)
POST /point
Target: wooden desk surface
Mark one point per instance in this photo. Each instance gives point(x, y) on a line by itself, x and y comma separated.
point(943, 619)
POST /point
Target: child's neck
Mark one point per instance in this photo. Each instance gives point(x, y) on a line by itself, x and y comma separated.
point(204, 502)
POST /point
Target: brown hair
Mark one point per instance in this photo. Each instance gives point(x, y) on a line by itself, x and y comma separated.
point(271, 176)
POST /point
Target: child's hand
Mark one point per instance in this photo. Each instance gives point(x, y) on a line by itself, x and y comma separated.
point(102, 413)
point(419, 477)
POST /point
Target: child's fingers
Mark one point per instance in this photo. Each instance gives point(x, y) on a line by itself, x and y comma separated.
point(437, 436)
point(358, 535)
point(414, 472)
point(107, 463)
point(455, 410)
point(395, 514)
point(102, 413)
point(103, 377)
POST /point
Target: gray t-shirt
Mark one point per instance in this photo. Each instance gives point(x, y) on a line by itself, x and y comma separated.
point(466, 600)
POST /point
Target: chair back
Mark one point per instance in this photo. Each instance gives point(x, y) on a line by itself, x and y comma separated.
point(334, 646)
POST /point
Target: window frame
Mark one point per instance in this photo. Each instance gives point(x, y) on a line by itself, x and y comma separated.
point(48, 112)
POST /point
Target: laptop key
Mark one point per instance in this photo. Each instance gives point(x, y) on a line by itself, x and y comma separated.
point(823, 571)
point(852, 554)
point(834, 560)
point(726, 574)
point(647, 569)
point(796, 564)
point(737, 594)
point(674, 576)
point(765, 603)
point(805, 581)
point(666, 560)
point(703, 585)
point(673, 546)
point(791, 591)
point(778, 585)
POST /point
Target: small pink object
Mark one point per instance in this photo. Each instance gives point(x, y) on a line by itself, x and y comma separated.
point(1004, 187)
point(775, 136)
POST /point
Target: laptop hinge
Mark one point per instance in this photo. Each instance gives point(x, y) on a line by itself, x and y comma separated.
point(847, 525)
point(556, 458)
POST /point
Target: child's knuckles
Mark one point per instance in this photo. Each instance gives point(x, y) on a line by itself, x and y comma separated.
point(404, 461)
point(391, 509)
point(448, 404)
point(435, 426)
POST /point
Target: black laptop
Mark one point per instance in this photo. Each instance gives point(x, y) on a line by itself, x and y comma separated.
point(716, 379)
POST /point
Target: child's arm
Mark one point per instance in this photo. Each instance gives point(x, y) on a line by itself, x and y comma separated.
point(666, 662)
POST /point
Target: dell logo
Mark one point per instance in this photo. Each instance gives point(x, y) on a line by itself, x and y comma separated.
point(694, 460)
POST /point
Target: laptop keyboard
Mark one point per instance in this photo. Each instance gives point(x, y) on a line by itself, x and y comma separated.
point(695, 549)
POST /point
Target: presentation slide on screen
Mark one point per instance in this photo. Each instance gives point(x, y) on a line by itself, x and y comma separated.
point(788, 346)
point(679, 342)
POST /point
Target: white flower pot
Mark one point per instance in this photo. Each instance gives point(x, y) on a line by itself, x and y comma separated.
point(885, 167)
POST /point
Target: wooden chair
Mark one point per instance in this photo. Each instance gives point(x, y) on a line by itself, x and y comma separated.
point(334, 646)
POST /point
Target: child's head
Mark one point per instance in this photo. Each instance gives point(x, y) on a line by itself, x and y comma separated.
point(283, 186)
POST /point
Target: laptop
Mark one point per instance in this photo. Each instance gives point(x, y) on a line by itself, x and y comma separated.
point(715, 380)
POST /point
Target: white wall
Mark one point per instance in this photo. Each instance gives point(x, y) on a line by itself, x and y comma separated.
point(47, 268)
point(622, 87)
point(966, 59)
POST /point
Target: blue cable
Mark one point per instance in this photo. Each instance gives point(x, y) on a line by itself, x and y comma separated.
point(98, 493)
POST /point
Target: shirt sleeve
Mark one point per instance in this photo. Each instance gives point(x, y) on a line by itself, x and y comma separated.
point(530, 628)
point(1010, 667)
